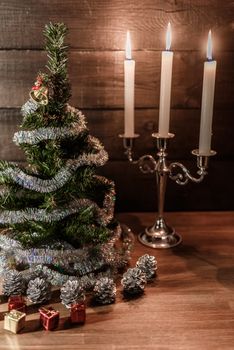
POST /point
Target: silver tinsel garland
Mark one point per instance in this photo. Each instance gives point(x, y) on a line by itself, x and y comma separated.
point(85, 268)
point(29, 107)
point(58, 253)
point(50, 133)
point(104, 216)
point(60, 179)
point(63, 176)
point(58, 279)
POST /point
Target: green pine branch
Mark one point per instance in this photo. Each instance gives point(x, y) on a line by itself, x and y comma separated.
point(56, 50)
point(57, 66)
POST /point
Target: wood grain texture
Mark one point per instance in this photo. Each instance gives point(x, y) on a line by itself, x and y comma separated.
point(102, 24)
point(97, 78)
point(189, 306)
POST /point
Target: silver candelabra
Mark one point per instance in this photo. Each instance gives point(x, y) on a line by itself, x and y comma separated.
point(160, 235)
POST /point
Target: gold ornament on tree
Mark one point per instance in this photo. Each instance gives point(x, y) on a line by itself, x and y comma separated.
point(39, 92)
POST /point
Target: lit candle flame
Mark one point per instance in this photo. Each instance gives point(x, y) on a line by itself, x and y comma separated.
point(209, 47)
point(128, 49)
point(168, 37)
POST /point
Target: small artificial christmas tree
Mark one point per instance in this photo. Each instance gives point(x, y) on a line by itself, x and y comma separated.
point(57, 212)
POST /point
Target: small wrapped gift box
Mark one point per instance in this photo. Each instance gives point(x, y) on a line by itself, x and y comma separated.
point(78, 313)
point(14, 321)
point(49, 318)
point(16, 302)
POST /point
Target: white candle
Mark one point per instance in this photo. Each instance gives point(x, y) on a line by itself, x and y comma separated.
point(207, 100)
point(129, 81)
point(165, 87)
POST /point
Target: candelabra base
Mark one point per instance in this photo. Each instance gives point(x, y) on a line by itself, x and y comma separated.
point(160, 235)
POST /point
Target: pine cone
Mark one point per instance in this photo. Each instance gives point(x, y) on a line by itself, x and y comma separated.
point(13, 283)
point(39, 290)
point(104, 291)
point(148, 265)
point(72, 292)
point(88, 281)
point(133, 282)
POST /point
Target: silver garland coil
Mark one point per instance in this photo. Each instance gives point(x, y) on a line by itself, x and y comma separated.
point(104, 216)
point(58, 279)
point(60, 179)
point(110, 258)
point(54, 277)
point(63, 256)
point(29, 107)
point(34, 183)
point(49, 133)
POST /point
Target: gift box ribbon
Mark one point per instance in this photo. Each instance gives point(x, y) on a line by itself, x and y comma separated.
point(48, 312)
point(15, 315)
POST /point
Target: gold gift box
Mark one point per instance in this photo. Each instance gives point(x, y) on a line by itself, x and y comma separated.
point(14, 321)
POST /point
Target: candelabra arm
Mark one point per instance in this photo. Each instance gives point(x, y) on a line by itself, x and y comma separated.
point(183, 175)
point(147, 164)
point(182, 178)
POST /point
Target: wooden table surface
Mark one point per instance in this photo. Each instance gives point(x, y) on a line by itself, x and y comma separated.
point(189, 306)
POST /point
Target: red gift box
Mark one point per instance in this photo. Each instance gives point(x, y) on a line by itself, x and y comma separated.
point(78, 313)
point(16, 302)
point(49, 318)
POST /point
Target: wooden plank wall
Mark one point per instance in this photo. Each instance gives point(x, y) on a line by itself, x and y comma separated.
point(97, 30)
